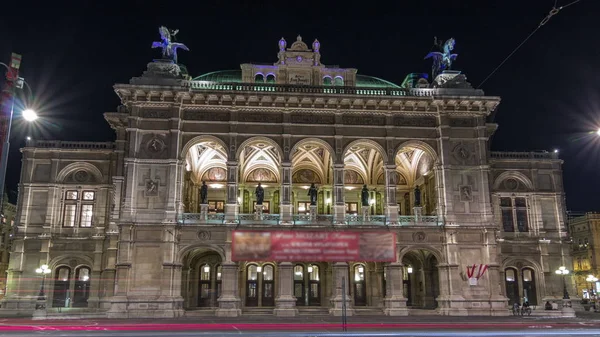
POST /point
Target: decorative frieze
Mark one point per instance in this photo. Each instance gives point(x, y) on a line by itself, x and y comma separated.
point(463, 122)
point(211, 116)
point(260, 117)
point(363, 120)
point(312, 119)
point(159, 114)
point(419, 121)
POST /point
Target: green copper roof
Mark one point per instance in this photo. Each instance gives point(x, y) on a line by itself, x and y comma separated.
point(235, 76)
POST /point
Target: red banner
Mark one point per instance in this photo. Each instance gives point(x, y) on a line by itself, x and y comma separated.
point(288, 246)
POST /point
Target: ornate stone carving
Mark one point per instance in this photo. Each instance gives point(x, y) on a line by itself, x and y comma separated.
point(155, 145)
point(461, 153)
point(419, 237)
point(466, 193)
point(305, 176)
point(151, 188)
point(215, 174)
point(260, 118)
point(155, 114)
point(511, 184)
point(81, 176)
point(204, 235)
point(363, 120)
point(312, 119)
point(211, 116)
point(463, 122)
point(415, 121)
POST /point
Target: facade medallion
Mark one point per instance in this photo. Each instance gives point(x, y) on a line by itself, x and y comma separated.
point(511, 184)
point(155, 145)
point(419, 237)
point(204, 235)
point(151, 188)
point(461, 152)
point(81, 176)
point(466, 193)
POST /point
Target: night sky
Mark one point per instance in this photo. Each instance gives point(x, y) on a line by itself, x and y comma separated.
point(73, 53)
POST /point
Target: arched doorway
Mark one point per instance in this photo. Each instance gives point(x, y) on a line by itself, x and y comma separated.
point(312, 162)
point(307, 284)
point(201, 279)
point(364, 163)
point(359, 286)
point(414, 165)
point(420, 279)
point(259, 285)
point(520, 285)
point(62, 279)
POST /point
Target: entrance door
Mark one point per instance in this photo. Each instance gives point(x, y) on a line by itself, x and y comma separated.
point(299, 285)
point(314, 286)
point(252, 286)
point(82, 287)
point(268, 287)
point(61, 287)
point(360, 290)
point(204, 287)
point(529, 293)
point(512, 286)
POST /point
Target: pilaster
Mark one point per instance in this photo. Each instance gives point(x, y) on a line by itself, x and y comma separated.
point(339, 207)
point(340, 276)
point(395, 302)
point(229, 302)
point(232, 207)
point(391, 204)
point(285, 303)
point(286, 208)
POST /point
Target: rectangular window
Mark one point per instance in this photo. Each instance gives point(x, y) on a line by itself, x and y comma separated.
point(86, 216)
point(89, 195)
point(521, 206)
point(72, 195)
point(69, 217)
point(507, 214)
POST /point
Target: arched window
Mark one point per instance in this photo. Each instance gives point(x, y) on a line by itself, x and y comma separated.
point(270, 78)
point(512, 285)
point(299, 284)
point(338, 81)
point(204, 286)
point(62, 279)
point(82, 287)
point(218, 280)
point(314, 285)
point(326, 80)
point(259, 78)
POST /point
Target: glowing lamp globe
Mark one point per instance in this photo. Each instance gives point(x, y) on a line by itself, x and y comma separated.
point(29, 115)
point(598, 132)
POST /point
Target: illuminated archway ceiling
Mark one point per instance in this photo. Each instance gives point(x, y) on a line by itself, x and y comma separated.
point(315, 158)
point(413, 163)
point(204, 156)
point(259, 155)
point(366, 161)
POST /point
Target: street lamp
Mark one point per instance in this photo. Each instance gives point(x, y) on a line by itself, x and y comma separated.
point(592, 280)
point(43, 270)
point(563, 271)
point(598, 132)
point(29, 115)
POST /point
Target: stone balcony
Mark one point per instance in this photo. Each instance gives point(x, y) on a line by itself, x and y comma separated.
point(197, 219)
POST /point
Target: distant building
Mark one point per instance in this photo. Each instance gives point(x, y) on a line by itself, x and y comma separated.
point(7, 220)
point(585, 250)
point(122, 227)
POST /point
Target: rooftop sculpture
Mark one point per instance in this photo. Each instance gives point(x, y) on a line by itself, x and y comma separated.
point(169, 48)
point(442, 60)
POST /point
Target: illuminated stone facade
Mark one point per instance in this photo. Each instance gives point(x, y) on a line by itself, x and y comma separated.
point(585, 236)
point(121, 226)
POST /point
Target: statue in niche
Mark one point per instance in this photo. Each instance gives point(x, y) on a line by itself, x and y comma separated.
point(417, 197)
point(312, 192)
point(204, 193)
point(364, 196)
point(169, 49)
point(260, 194)
point(442, 60)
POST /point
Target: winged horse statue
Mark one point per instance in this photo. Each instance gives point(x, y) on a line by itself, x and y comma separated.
point(169, 48)
point(442, 60)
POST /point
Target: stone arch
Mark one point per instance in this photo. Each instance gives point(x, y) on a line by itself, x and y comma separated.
point(370, 142)
point(511, 262)
point(183, 251)
point(321, 177)
point(421, 145)
point(259, 139)
point(92, 169)
point(318, 141)
point(437, 253)
point(198, 139)
point(514, 175)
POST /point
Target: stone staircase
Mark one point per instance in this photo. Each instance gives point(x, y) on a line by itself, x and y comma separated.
point(313, 311)
point(423, 312)
point(200, 312)
point(258, 311)
point(366, 311)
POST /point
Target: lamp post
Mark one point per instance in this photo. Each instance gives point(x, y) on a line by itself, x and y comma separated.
point(13, 82)
point(564, 272)
point(43, 270)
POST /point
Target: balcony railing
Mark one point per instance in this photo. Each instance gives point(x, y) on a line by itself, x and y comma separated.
point(307, 89)
point(191, 219)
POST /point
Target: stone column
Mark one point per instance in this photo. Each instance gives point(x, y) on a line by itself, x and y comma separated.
point(395, 302)
point(339, 207)
point(285, 303)
point(285, 207)
point(231, 206)
point(391, 205)
point(340, 271)
point(229, 302)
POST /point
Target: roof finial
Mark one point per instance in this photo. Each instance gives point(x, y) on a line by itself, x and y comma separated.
point(299, 38)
